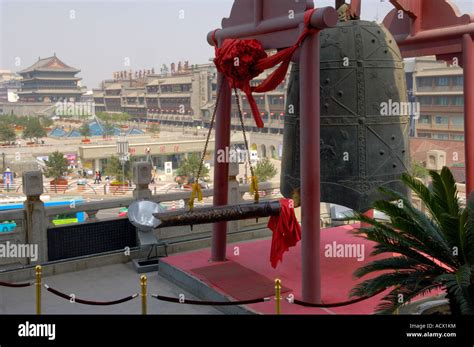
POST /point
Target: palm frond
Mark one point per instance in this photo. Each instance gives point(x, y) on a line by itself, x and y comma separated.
point(459, 285)
point(395, 263)
point(426, 244)
point(391, 301)
point(469, 229)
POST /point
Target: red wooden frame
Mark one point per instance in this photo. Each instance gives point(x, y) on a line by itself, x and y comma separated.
point(278, 24)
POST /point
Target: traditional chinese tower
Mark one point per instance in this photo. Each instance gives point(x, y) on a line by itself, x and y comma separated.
point(49, 80)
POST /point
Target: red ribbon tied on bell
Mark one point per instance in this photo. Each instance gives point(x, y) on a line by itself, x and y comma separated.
point(240, 61)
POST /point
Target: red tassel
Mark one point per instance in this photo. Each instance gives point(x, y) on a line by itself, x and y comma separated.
point(286, 231)
point(253, 60)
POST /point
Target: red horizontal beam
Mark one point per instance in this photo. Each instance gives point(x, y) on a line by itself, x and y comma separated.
point(433, 35)
point(322, 18)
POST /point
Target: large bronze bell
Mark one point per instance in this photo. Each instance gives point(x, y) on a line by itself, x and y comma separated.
point(363, 146)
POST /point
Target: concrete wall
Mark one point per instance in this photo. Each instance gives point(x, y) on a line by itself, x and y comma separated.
point(26, 109)
point(34, 220)
point(139, 149)
point(266, 141)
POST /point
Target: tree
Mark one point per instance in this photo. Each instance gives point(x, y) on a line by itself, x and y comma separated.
point(113, 117)
point(33, 129)
point(85, 130)
point(114, 169)
point(121, 117)
point(46, 122)
point(56, 166)
point(435, 250)
point(155, 128)
point(104, 116)
point(190, 166)
point(7, 133)
point(265, 170)
point(108, 129)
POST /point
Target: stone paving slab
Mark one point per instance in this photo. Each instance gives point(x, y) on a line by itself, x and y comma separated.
point(106, 283)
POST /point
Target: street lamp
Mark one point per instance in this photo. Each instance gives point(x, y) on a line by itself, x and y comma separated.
point(123, 154)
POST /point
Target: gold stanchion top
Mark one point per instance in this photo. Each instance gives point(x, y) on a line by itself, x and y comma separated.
point(277, 283)
point(38, 268)
point(143, 279)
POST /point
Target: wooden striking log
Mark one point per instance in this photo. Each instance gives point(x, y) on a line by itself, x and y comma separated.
point(213, 214)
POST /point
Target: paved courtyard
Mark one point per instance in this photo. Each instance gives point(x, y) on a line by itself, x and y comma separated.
point(106, 283)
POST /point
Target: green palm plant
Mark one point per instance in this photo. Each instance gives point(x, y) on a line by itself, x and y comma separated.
point(435, 249)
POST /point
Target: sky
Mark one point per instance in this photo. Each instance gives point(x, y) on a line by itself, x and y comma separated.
point(100, 37)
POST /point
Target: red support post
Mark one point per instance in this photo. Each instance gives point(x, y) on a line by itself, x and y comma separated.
point(310, 169)
point(468, 65)
point(221, 170)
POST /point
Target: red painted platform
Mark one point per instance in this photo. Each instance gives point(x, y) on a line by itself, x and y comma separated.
point(236, 282)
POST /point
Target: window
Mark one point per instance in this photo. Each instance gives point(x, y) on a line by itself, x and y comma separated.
point(441, 136)
point(424, 81)
point(425, 135)
point(425, 100)
point(457, 137)
point(441, 100)
point(441, 120)
point(457, 100)
point(458, 121)
point(442, 82)
point(276, 100)
point(425, 119)
point(458, 81)
point(166, 89)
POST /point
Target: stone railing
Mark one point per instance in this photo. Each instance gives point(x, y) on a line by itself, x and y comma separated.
point(30, 225)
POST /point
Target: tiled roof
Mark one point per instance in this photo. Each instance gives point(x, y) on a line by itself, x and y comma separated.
point(50, 64)
point(419, 148)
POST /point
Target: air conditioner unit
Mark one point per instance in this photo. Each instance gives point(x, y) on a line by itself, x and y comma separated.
point(435, 160)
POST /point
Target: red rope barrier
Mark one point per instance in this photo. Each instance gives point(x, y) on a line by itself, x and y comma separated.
point(209, 303)
point(337, 304)
point(15, 285)
point(88, 302)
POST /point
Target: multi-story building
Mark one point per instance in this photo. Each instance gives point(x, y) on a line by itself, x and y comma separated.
point(133, 101)
point(186, 98)
point(9, 86)
point(439, 90)
point(174, 99)
point(49, 80)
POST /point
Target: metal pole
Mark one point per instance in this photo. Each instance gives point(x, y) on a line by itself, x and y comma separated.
point(38, 289)
point(468, 62)
point(221, 170)
point(310, 169)
point(278, 296)
point(143, 284)
point(123, 170)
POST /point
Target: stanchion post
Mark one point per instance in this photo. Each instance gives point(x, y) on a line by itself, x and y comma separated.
point(143, 284)
point(38, 289)
point(278, 296)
